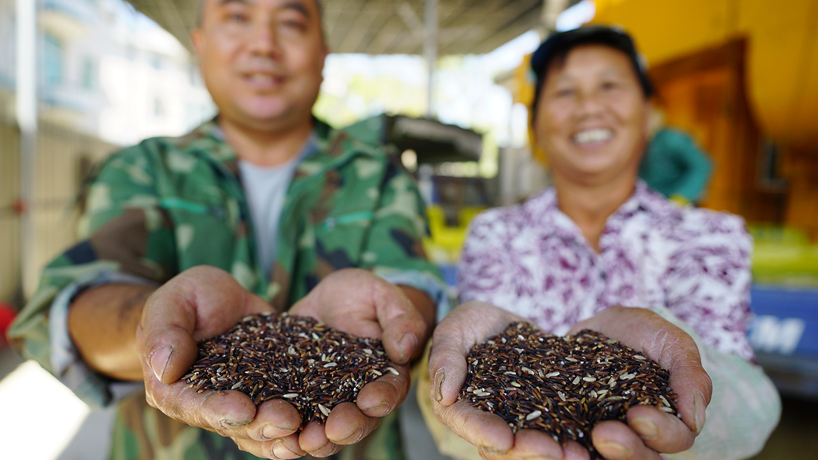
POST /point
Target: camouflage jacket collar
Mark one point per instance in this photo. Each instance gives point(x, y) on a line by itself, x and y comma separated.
point(208, 139)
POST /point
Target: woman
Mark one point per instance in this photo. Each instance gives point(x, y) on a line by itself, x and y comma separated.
point(599, 239)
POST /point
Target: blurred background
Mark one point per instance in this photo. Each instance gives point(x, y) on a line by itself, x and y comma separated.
point(445, 85)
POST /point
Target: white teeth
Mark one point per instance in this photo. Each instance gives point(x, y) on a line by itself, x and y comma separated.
point(593, 135)
point(261, 78)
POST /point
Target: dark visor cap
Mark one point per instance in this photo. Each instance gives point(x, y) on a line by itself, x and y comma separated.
point(561, 43)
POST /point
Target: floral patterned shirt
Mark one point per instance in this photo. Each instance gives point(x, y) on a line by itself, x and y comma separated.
point(532, 259)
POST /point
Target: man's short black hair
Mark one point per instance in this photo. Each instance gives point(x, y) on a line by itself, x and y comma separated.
point(556, 47)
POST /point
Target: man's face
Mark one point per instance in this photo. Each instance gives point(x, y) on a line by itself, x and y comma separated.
point(261, 59)
point(592, 115)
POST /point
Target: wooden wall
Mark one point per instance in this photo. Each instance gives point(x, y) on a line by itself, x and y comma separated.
point(704, 94)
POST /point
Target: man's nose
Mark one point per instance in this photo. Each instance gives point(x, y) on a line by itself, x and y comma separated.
point(264, 40)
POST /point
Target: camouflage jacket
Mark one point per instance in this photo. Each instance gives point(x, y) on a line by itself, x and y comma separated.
point(168, 204)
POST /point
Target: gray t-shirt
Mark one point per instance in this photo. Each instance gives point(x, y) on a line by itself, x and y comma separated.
point(266, 188)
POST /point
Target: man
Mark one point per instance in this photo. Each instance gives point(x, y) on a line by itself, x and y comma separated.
point(262, 209)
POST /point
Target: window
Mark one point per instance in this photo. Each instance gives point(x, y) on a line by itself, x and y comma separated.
point(53, 61)
point(88, 78)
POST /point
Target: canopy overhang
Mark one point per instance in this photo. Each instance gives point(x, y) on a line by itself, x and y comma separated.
point(388, 26)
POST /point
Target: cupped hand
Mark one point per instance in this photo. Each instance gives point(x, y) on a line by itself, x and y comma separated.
point(357, 302)
point(197, 304)
point(467, 325)
point(648, 430)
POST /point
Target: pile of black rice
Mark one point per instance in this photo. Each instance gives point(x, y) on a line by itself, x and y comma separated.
point(295, 358)
point(562, 385)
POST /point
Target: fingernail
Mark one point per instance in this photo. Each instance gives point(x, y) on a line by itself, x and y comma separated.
point(440, 376)
point(407, 346)
point(611, 449)
point(379, 406)
point(234, 423)
point(698, 409)
point(353, 438)
point(271, 431)
point(281, 450)
point(493, 450)
point(159, 361)
point(646, 428)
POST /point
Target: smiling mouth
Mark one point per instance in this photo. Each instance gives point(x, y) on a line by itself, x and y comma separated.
point(264, 79)
point(591, 136)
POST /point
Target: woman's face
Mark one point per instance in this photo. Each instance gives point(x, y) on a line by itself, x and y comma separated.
point(592, 116)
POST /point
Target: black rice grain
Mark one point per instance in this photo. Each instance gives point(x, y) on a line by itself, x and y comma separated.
point(295, 358)
point(562, 385)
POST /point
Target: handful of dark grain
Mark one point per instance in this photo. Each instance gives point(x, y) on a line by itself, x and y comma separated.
point(295, 358)
point(562, 385)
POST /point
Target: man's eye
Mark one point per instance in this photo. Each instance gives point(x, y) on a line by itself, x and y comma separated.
point(293, 24)
point(609, 85)
point(567, 92)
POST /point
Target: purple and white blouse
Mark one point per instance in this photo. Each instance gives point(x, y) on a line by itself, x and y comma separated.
point(533, 260)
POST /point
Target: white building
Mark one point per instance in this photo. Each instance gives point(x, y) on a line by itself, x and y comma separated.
point(107, 71)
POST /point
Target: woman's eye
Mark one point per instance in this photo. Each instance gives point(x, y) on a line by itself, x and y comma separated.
point(566, 92)
point(609, 85)
point(237, 17)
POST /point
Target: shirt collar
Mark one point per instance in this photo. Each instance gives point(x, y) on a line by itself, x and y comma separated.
point(213, 143)
point(544, 208)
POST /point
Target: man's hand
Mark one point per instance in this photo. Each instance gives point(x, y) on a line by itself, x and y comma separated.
point(648, 430)
point(360, 303)
point(197, 304)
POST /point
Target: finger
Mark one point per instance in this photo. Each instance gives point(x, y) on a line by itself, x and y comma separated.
point(287, 447)
point(313, 440)
point(274, 419)
point(226, 412)
point(574, 451)
point(660, 431)
point(615, 441)
point(379, 398)
point(467, 325)
point(403, 326)
point(165, 335)
point(483, 429)
point(346, 424)
point(529, 444)
point(259, 449)
point(277, 449)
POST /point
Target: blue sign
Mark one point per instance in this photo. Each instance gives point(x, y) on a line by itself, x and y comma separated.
point(785, 320)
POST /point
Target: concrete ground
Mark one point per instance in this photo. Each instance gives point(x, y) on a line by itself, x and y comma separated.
point(87, 433)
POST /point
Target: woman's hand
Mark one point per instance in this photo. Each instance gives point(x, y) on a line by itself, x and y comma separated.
point(648, 430)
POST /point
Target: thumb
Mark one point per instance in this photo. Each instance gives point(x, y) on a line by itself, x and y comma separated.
point(403, 326)
point(166, 337)
point(467, 325)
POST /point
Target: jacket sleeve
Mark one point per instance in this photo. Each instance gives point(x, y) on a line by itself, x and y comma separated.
point(125, 238)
